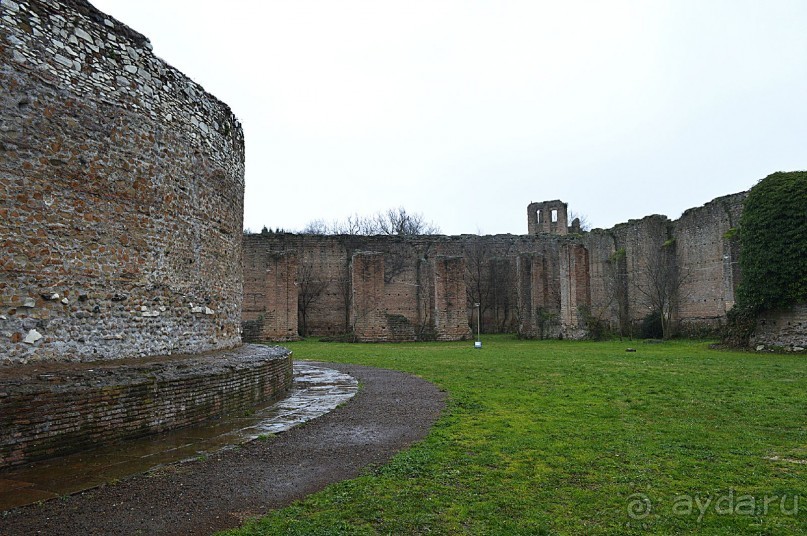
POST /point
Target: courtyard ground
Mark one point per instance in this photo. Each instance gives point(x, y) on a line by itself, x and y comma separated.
point(538, 437)
point(562, 437)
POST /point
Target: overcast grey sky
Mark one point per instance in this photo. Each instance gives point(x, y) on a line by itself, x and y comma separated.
point(465, 111)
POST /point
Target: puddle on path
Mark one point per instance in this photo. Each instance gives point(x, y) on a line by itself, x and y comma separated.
point(315, 391)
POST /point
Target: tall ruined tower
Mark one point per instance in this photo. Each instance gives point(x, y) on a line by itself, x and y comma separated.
point(547, 217)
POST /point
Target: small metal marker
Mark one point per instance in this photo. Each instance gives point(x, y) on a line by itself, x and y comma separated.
point(478, 343)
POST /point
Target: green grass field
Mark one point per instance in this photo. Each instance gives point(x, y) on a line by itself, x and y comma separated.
point(561, 437)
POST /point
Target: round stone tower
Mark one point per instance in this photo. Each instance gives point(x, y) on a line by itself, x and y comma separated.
point(121, 194)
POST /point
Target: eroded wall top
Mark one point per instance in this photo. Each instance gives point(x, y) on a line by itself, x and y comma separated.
point(70, 44)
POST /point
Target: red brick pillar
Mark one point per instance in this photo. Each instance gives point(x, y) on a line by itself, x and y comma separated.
point(450, 313)
point(368, 310)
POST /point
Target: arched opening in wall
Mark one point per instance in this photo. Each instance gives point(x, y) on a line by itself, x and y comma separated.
point(554, 216)
point(539, 217)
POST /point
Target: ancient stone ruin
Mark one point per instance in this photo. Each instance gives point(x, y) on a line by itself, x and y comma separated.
point(548, 217)
point(555, 281)
point(122, 187)
point(124, 268)
point(121, 209)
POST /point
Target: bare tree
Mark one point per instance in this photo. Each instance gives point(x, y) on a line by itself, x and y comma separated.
point(354, 225)
point(582, 220)
point(501, 281)
point(392, 222)
point(616, 288)
point(401, 223)
point(395, 262)
point(316, 227)
point(661, 284)
point(477, 281)
point(310, 288)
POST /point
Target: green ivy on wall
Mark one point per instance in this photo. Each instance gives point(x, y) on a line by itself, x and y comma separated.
point(773, 243)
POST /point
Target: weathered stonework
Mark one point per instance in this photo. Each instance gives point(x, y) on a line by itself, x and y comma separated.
point(782, 329)
point(708, 248)
point(449, 299)
point(435, 311)
point(121, 209)
point(369, 316)
point(549, 217)
point(574, 289)
point(532, 297)
point(549, 283)
point(121, 194)
point(705, 252)
point(380, 288)
point(270, 308)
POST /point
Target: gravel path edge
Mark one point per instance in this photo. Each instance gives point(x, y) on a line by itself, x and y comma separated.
point(391, 411)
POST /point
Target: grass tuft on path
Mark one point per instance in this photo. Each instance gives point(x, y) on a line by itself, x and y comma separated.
point(562, 437)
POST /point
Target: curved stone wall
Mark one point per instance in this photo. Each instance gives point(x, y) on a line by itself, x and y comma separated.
point(121, 194)
point(48, 410)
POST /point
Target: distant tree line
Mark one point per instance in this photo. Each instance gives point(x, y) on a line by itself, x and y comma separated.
point(392, 222)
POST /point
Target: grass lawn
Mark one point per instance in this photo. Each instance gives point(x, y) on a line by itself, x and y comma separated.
point(561, 437)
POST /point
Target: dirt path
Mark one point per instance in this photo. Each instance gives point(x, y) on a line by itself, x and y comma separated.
point(391, 411)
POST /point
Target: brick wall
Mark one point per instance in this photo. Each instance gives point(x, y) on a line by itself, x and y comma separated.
point(121, 194)
point(43, 415)
point(705, 254)
point(574, 289)
point(530, 296)
point(538, 285)
point(450, 308)
point(270, 306)
point(548, 217)
point(369, 309)
point(782, 329)
point(608, 277)
point(404, 287)
point(708, 254)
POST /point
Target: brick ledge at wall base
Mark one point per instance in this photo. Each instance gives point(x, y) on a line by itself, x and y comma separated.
point(52, 409)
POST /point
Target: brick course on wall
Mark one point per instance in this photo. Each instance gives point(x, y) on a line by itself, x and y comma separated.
point(121, 194)
point(59, 411)
point(369, 313)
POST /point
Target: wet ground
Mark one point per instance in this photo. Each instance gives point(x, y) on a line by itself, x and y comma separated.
point(391, 411)
point(316, 391)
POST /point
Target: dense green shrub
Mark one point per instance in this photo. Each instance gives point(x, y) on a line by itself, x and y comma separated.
point(773, 242)
point(651, 327)
point(739, 327)
point(596, 328)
